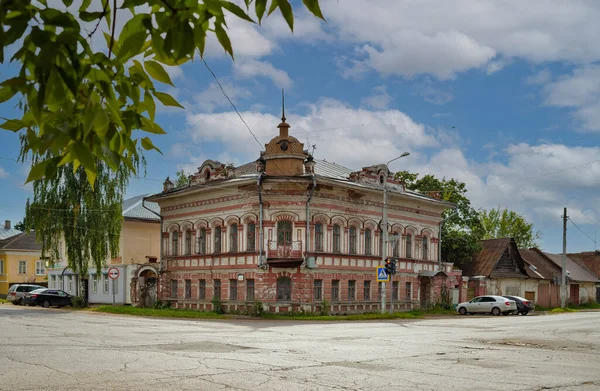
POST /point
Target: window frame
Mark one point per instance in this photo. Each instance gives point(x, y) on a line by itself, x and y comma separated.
point(188, 242)
point(425, 249)
point(351, 290)
point(318, 290)
point(368, 241)
point(202, 289)
point(24, 269)
point(352, 240)
point(408, 288)
point(175, 243)
point(250, 289)
point(188, 289)
point(319, 237)
point(42, 268)
point(233, 289)
point(284, 291)
point(335, 290)
point(218, 240)
point(94, 284)
point(251, 236)
point(174, 288)
point(217, 288)
point(201, 241)
point(409, 246)
point(367, 290)
point(233, 238)
point(336, 239)
point(1, 266)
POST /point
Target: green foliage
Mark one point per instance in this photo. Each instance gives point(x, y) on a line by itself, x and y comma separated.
point(462, 227)
point(160, 305)
point(78, 302)
point(325, 307)
point(257, 308)
point(162, 313)
point(217, 305)
point(562, 310)
point(84, 105)
point(20, 226)
point(505, 223)
point(182, 179)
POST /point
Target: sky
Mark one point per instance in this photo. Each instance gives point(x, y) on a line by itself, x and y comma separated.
point(502, 95)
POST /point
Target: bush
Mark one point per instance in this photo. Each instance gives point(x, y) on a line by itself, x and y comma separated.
point(160, 305)
point(78, 302)
point(217, 306)
point(324, 308)
point(257, 309)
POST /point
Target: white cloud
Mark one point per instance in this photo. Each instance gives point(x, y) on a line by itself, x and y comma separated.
point(432, 94)
point(542, 77)
point(254, 68)
point(3, 173)
point(212, 97)
point(379, 99)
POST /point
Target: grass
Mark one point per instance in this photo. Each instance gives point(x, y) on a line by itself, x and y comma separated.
point(561, 310)
point(587, 306)
point(162, 313)
point(4, 301)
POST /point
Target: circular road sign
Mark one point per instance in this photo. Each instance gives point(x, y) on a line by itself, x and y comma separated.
point(113, 273)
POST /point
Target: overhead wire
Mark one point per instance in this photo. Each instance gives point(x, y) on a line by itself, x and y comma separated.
point(580, 230)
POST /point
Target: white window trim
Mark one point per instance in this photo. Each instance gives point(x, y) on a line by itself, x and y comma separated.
point(105, 286)
point(42, 268)
point(19, 264)
point(1, 266)
point(95, 284)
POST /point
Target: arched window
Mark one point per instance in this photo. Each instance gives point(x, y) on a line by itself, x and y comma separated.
point(318, 237)
point(233, 238)
point(284, 289)
point(336, 238)
point(368, 240)
point(188, 242)
point(395, 247)
point(202, 241)
point(251, 237)
point(352, 240)
point(425, 248)
point(409, 246)
point(217, 240)
point(175, 243)
point(284, 233)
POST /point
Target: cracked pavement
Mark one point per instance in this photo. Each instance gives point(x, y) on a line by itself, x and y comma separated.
point(53, 349)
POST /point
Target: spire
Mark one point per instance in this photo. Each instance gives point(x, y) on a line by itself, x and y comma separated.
point(282, 106)
point(283, 126)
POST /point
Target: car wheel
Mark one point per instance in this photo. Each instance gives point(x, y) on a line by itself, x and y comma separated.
point(462, 311)
point(46, 304)
point(496, 311)
point(16, 302)
point(524, 313)
point(505, 313)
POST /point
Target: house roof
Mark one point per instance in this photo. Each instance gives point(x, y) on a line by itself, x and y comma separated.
point(576, 271)
point(590, 259)
point(21, 241)
point(134, 210)
point(8, 233)
point(483, 263)
point(544, 268)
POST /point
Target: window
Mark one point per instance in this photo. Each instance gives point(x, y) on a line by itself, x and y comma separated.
point(251, 237)
point(408, 246)
point(70, 284)
point(368, 241)
point(94, 284)
point(425, 248)
point(250, 289)
point(175, 243)
point(318, 290)
point(173, 288)
point(40, 268)
point(318, 237)
point(202, 241)
point(22, 267)
point(395, 287)
point(60, 282)
point(409, 291)
point(202, 289)
point(351, 290)
point(165, 245)
point(104, 283)
point(188, 242)
point(1, 266)
point(336, 238)
point(217, 289)
point(335, 290)
point(233, 238)
point(188, 289)
point(367, 290)
point(284, 289)
point(352, 240)
point(284, 233)
point(217, 239)
point(396, 248)
point(233, 290)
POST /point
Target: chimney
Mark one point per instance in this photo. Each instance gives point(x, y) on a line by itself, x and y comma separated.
point(6, 224)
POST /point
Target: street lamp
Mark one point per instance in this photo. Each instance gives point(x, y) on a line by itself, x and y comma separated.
point(385, 236)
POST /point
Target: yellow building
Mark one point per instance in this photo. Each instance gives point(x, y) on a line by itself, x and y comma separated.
point(19, 259)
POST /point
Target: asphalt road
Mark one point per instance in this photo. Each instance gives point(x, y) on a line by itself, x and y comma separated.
point(52, 349)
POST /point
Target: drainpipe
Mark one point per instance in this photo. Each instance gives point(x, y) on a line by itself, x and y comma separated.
point(260, 220)
point(310, 196)
point(440, 238)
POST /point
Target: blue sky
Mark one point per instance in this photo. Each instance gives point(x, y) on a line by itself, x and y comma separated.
point(504, 96)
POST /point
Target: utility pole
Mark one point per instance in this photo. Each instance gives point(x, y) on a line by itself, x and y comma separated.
point(384, 239)
point(563, 285)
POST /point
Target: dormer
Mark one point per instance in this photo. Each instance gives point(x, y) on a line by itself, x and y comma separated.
point(377, 175)
point(212, 170)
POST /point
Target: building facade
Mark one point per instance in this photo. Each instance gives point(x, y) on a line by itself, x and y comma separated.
point(20, 259)
point(138, 247)
point(295, 233)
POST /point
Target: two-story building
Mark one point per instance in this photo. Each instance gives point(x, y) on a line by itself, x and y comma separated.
point(293, 232)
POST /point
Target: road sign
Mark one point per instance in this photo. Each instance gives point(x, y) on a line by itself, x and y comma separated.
point(382, 274)
point(113, 273)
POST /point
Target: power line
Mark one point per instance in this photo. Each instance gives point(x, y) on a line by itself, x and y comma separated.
point(232, 105)
point(580, 230)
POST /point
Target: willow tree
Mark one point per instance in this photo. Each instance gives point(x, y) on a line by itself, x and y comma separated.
point(67, 209)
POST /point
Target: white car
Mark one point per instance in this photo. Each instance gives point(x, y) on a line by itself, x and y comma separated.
point(488, 304)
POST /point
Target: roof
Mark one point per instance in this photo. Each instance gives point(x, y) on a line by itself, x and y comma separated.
point(8, 233)
point(483, 263)
point(576, 271)
point(322, 168)
point(590, 259)
point(544, 268)
point(21, 241)
point(134, 209)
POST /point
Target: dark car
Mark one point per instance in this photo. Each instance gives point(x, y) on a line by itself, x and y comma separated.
point(47, 298)
point(524, 306)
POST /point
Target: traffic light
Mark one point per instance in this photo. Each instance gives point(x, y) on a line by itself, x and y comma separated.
point(393, 266)
point(390, 266)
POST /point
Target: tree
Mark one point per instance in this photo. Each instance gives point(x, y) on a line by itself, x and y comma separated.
point(84, 105)
point(20, 226)
point(461, 226)
point(182, 179)
point(505, 223)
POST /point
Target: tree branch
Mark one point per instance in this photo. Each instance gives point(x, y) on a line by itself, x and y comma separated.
point(99, 19)
point(114, 23)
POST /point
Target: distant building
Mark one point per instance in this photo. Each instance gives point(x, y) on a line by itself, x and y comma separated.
point(292, 232)
point(20, 261)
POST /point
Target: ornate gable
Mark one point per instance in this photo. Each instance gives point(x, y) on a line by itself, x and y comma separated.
point(376, 175)
point(212, 170)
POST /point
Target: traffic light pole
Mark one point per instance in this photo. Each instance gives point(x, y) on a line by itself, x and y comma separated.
point(384, 240)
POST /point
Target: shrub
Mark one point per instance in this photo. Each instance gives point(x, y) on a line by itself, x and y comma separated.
point(217, 306)
point(324, 308)
point(78, 302)
point(160, 305)
point(257, 308)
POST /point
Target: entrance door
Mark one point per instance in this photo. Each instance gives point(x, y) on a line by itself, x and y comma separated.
point(284, 233)
point(425, 287)
point(598, 294)
point(574, 294)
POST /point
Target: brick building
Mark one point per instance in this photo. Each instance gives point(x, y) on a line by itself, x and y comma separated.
point(291, 231)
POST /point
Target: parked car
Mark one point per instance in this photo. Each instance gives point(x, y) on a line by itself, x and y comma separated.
point(17, 291)
point(495, 305)
point(47, 298)
point(524, 306)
